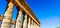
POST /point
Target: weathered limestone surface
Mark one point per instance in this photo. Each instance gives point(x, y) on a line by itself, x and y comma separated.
point(19, 20)
point(25, 22)
point(30, 22)
point(29, 25)
point(27, 10)
point(7, 16)
point(34, 25)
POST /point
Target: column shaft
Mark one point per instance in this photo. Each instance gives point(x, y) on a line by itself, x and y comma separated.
point(7, 16)
point(36, 25)
point(25, 22)
point(29, 23)
point(19, 20)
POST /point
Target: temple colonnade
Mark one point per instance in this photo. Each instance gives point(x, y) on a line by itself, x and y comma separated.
point(26, 21)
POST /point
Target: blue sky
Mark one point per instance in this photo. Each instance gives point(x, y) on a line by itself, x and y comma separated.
point(47, 11)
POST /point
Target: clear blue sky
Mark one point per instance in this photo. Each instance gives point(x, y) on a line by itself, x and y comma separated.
point(47, 11)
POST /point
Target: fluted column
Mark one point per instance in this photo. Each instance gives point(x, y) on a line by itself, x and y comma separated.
point(13, 26)
point(19, 20)
point(34, 25)
point(25, 22)
point(7, 16)
point(29, 25)
point(38, 26)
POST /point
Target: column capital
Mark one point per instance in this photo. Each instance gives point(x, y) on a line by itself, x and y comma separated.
point(26, 15)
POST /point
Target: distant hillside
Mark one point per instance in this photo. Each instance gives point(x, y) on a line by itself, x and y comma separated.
point(57, 27)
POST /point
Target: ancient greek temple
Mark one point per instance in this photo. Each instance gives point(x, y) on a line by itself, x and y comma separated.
point(29, 19)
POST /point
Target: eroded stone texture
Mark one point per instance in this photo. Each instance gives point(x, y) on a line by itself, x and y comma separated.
point(25, 22)
point(34, 23)
point(29, 25)
point(7, 16)
point(19, 20)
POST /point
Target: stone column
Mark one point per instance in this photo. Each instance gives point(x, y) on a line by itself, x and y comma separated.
point(19, 20)
point(38, 26)
point(13, 26)
point(34, 25)
point(7, 16)
point(29, 25)
point(25, 22)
